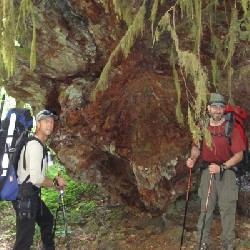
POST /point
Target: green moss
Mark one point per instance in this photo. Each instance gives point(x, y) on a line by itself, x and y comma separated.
point(123, 9)
point(11, 29)
point(178, 111)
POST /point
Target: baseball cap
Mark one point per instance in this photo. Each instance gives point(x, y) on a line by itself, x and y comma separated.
point(44, 114)
point(217, 99)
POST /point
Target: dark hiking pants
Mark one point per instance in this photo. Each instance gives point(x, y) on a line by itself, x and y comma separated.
point(25, 227)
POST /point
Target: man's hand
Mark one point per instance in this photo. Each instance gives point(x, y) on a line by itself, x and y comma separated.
point(190, 162)
point(61, 181)
point(194, 155)
point(214, 168)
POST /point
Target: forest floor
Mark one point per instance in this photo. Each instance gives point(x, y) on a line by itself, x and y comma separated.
point(117, 227)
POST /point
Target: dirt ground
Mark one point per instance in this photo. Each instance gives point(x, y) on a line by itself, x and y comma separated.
point(115, 227)
point(124, 228)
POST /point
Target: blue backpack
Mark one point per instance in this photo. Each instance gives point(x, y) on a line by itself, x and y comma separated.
point(18, 121)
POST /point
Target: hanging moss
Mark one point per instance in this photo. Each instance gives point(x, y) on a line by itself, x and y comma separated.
point(26, 12)
point(179, 114)
point(187, 62)
point(194, 129)
point(198, 26)
point(193, 69)
point(217, 49)
point(8, 37)
point(33, 44)
point(245, 6)
point(123, 9)
point(187, 8)
point(163, 25)
point(153, 14)
point(103, 81)
point(232, 36)
point(134, 30)
point(10, 27)
point(125, 45)
point(215, 72)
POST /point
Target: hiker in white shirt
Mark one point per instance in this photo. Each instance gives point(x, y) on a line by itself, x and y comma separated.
point(31, 173)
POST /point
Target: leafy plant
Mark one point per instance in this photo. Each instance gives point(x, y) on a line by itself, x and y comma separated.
point(77, 207)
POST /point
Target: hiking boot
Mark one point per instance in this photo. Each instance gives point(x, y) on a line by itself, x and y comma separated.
point(204, 246)
point(227, 246)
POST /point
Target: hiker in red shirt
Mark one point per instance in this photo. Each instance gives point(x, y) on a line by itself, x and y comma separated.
point(218, 180)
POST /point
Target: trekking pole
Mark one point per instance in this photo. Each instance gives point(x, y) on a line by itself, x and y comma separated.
point(62, 206)
point(186, 206)
point(206, 208)
point(1, 109)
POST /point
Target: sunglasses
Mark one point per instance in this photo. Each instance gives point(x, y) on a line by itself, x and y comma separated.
point(47, 112)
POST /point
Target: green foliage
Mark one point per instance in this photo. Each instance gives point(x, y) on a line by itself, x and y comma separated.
point(72, 194)
point(78, 206)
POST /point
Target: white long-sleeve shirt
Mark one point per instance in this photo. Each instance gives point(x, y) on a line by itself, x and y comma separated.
point(34, 158)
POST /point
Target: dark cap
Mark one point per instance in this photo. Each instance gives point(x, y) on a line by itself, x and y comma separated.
point(217, 99)
point(43, 114)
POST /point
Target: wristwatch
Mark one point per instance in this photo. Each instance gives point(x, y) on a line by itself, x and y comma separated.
point(223, 167)
point(55, 182)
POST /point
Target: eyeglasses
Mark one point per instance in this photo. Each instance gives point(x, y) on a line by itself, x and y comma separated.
point(217, 107)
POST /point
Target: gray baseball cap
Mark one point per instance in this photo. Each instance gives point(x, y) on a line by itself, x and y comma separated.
point(44, 114)
point(217, 99)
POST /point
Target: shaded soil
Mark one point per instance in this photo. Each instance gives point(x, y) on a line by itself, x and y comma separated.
point(115, 227)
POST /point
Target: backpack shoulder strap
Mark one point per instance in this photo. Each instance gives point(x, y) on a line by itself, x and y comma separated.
point(45, 150)
point(229, 126)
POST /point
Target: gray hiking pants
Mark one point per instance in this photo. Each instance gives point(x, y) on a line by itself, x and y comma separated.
point(226, 192)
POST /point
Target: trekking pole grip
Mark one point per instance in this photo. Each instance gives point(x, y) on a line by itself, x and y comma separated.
point(59, 174)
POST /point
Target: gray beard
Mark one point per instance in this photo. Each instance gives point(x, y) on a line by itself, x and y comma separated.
point(217, 118)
